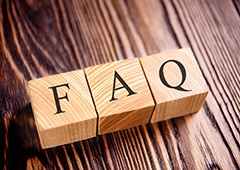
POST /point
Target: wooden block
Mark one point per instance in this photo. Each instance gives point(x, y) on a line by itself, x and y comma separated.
point(176, 82)
point(121, 95)
point(63, 108)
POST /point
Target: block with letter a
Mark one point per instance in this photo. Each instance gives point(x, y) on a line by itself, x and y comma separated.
point(121, 95)
point(176, 82)
point(63, 108)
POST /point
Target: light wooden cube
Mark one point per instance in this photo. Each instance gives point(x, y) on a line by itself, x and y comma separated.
point(175, 94)
point(131, 105)
point(65, 113)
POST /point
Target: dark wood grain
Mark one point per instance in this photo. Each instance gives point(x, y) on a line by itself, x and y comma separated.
point(40, 38)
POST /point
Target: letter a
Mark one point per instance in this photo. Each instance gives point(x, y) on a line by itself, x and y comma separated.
point(117, 76)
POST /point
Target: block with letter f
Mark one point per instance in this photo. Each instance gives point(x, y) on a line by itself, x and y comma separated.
point(63, 108)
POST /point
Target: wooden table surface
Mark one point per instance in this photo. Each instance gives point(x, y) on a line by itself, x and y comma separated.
point(40, 38)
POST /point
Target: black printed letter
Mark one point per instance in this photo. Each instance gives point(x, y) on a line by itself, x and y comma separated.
point(130, 92)
point(54, 88)
point(162, 77)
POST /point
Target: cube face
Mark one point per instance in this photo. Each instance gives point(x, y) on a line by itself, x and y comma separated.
point(176, 82)
point(130, 105)
point(63, 108)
